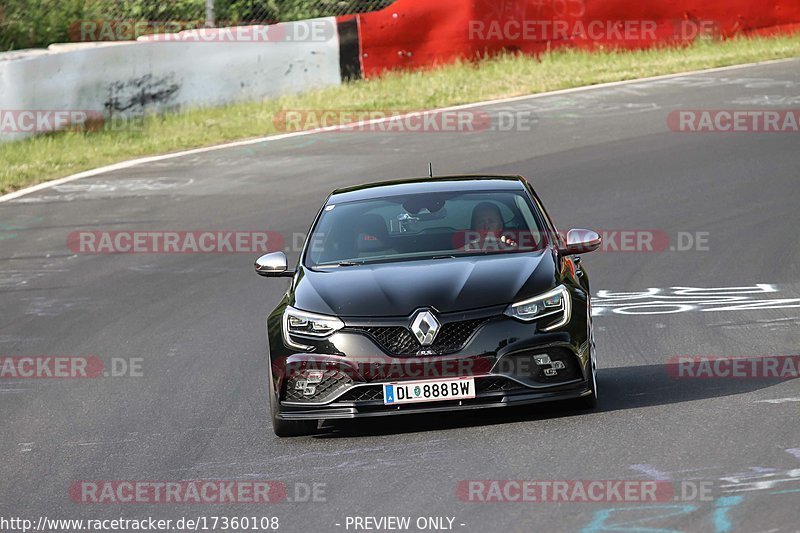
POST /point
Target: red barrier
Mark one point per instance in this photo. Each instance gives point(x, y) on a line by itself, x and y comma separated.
point(413, 34)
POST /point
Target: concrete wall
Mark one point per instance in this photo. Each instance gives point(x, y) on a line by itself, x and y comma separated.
point(124, 79)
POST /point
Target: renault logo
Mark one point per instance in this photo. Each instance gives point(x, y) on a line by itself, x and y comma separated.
point(425, 327)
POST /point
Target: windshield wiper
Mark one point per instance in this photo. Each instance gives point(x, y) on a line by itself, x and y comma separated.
point(382, 260)
point(340, 264)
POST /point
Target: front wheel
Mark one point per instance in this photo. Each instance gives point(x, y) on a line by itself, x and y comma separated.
point(590, 401)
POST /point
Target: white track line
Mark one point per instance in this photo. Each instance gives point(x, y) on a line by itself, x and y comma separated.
point(779, 400)
point(141, 161)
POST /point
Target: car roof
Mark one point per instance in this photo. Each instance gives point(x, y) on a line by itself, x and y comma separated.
point(466, 182)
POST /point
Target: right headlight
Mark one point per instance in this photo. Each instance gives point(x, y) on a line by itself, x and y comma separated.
point(555, 303)
point(297, 323)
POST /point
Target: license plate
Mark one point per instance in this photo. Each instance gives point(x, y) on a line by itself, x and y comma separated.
point(428, 391)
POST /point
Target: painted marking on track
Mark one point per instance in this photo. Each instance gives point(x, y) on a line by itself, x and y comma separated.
point(20, 278)
point(794, 451)
point(47, 307)
point(97, 189)
point(722, 523)
point(651, 471)
point(759, 481)
point(768, 100)
point(641, 83)
point(778, 401)
point(660, 301)
point(632, 518)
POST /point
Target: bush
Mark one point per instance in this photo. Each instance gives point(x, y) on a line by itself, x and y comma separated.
point(38, 23)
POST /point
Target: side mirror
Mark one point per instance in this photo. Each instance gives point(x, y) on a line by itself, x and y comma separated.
point(273, 266)
point(581, 241)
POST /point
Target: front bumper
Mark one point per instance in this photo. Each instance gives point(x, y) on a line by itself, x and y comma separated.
point(486, 399)
point(501, 353)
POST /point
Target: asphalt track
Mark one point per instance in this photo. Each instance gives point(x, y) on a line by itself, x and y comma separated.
point(601, 158)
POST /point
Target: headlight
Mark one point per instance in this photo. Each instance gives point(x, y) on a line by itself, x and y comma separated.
point(305, 324)
point(555, 303)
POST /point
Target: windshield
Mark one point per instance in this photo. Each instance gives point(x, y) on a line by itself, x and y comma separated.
point(423, 226)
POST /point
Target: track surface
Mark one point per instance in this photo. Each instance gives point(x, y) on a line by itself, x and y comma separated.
point(600, 158)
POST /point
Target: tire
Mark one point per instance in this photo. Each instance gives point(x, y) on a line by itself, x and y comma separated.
point(589, 402)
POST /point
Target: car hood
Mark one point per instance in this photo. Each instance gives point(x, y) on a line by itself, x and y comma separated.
point(446, 285)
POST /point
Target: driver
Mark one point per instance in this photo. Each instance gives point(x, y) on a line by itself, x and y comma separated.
point(488, 220)
point(486, 216)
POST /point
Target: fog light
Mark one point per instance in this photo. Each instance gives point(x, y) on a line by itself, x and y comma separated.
point(309, 384)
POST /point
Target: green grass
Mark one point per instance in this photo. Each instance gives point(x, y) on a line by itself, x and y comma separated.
point(47, 157)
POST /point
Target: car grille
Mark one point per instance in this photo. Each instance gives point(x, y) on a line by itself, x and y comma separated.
point(496, 385)
point(363, 394)
point(398, 340)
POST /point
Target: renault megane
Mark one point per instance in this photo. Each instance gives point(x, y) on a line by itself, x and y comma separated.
point(430, 295)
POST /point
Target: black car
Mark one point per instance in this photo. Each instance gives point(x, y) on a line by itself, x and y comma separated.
point(430, 295)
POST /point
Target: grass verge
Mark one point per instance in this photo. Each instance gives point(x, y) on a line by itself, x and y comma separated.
point(47, 157)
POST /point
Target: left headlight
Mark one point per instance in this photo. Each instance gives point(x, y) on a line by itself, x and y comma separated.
point(555, 303)
point(305, 324)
